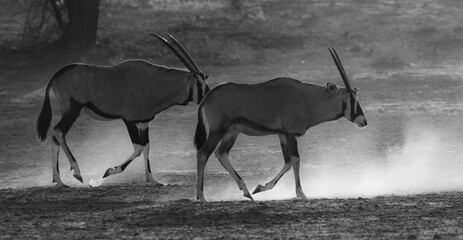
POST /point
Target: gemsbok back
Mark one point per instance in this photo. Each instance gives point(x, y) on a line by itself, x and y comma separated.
point(134, 91)
point(282, 106)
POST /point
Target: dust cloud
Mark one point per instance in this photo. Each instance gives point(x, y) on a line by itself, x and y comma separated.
point(429, 161)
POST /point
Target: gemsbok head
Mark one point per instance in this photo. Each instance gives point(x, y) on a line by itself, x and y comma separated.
point(134, 91)
point(282, 106)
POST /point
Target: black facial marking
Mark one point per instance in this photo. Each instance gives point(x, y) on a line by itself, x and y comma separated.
point(200, 91)
point(352, 104)
point(190, 92)
point(343, 111)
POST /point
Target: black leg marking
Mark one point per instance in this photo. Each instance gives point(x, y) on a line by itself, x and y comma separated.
point(295, 161)
point(145, 140)
point(292, 145)
point(125, 165)
point(135, 138)
point(286, 167)
point(148, 166)
point(133, 132)
point(237, 174)
point(286, 156)
point(285, 150)
point(56, 142)
point(144, 136)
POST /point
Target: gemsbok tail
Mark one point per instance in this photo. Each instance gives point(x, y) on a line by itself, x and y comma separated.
point(200, 134)
point(44, 119)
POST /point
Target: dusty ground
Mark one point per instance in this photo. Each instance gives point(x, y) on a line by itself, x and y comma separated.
point(137, 211)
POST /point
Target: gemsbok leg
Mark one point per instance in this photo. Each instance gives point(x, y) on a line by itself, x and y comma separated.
point(70, 112)
point(286, 167)
point(139, 135)
point(215, 136)
point(143, 130)
point(55, 164)
point(295, 161)
point(222, 154)
point(137, 150)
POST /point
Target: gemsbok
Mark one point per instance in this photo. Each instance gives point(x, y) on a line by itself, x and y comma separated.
point(282, 106)
point(134, 91)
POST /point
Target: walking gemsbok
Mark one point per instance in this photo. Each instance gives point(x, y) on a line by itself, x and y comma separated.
point(134, 91)
point(282, 106)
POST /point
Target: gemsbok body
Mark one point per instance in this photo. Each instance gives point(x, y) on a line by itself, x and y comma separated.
point(134, 91)
point(282, 106)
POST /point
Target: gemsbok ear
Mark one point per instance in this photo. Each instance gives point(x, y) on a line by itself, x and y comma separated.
point(332, 88)
point(356, 90)
point(207, 76)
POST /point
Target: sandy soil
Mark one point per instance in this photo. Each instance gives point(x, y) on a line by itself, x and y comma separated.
point(139, 211)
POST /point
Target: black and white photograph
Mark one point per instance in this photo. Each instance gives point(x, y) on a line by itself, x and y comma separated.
point(231, 119)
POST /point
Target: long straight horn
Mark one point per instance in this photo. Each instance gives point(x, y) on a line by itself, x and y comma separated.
point(341, 70)
point(185, 53)
point(175, 51)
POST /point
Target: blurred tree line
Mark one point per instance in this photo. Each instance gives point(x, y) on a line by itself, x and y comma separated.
point(73, 22)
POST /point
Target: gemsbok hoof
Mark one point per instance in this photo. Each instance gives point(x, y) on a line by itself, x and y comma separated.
point(157, 184)
point(258, 189)
point(62, 185)
point(248, 196)
point(201, 199)
point(107, 173)
point(78, 177)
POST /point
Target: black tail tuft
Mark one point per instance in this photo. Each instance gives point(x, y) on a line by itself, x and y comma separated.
point(200, 134)
point(44, 119)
